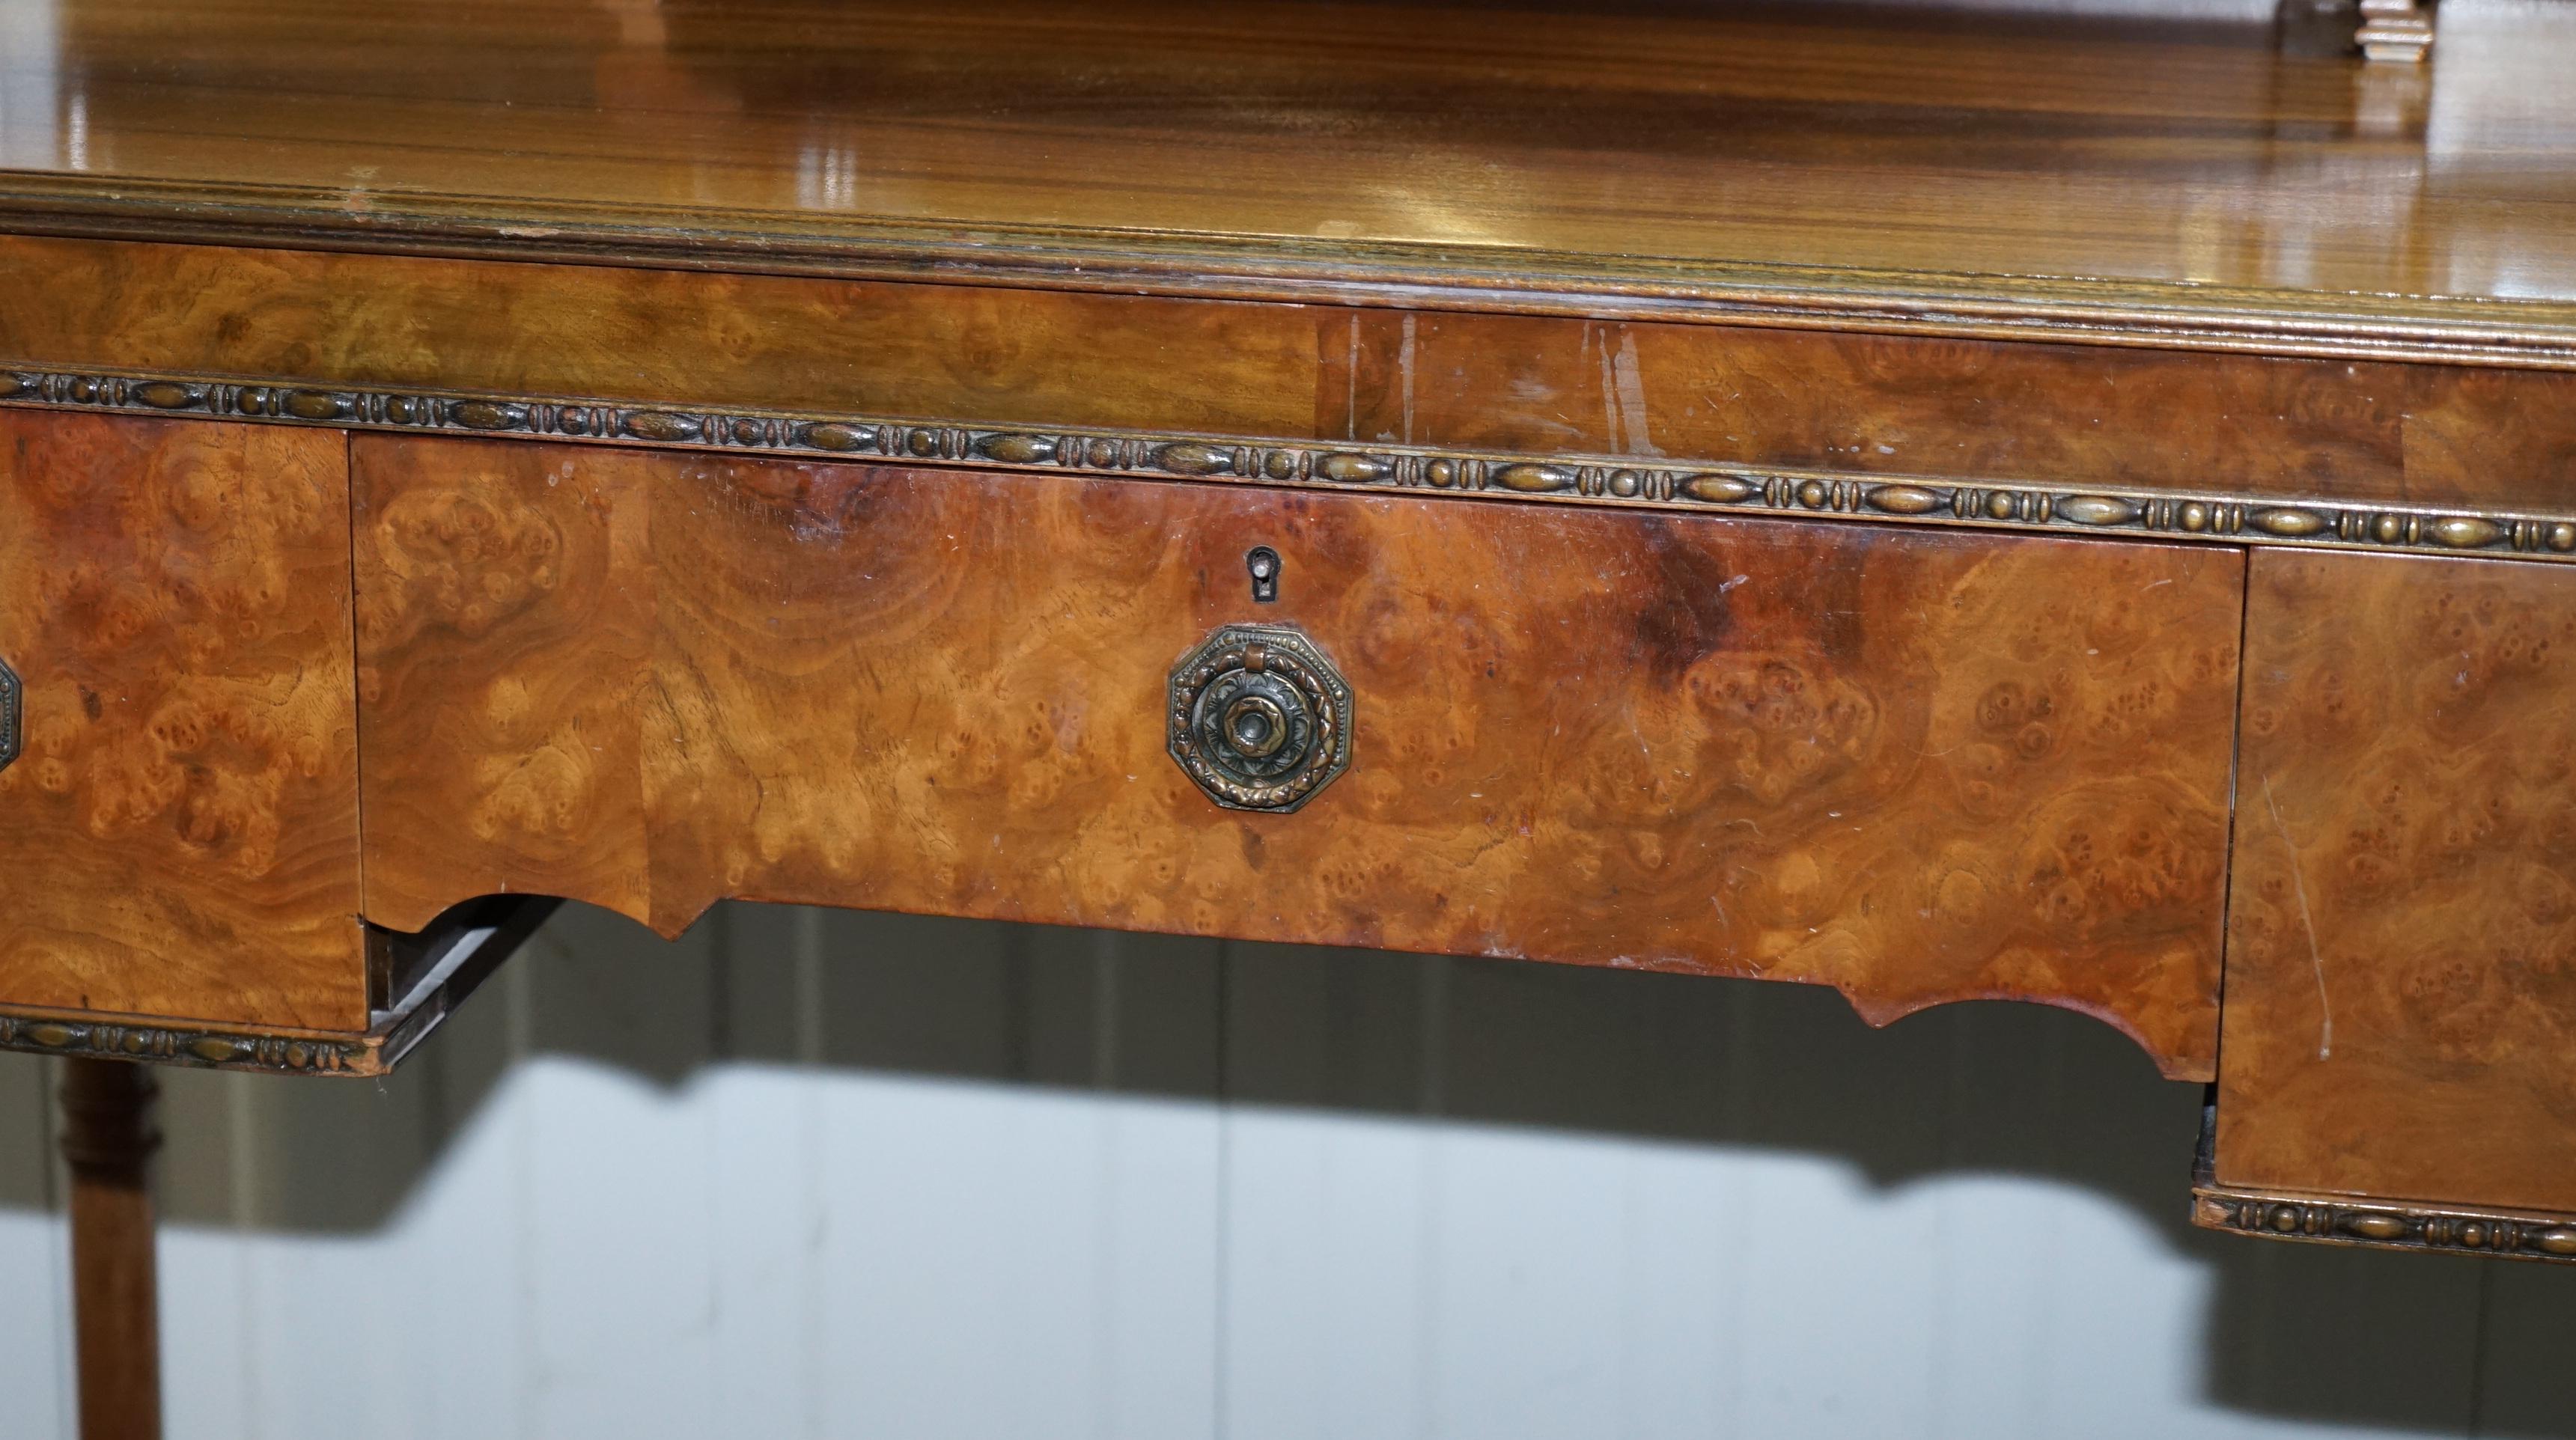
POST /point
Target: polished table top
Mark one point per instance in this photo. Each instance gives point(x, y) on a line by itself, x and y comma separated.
point(1955, 169)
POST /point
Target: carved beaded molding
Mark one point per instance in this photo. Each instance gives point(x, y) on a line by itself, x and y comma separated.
point(216, 1049)
point(2387, 1226)
point(1664, 484)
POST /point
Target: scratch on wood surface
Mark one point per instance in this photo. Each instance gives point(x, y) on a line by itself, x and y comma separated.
point(1610, 416)
point(1627, 391)
point(1351, 407)
point(1405, 358)
point(2307, 921)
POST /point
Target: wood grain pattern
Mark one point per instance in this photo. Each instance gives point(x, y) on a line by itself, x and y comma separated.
point(1920, 167)
point(2401, 974)
point(1689, 745)
point(660, 337)
point(1977, 411)
point(2052, 414)
point(522, 614)
point(430, 972)
point(181, 835)
point(107, 1141)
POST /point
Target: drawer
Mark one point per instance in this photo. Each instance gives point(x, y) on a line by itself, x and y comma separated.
point(1918, 766)
point(179, 831)
point(2401, 980)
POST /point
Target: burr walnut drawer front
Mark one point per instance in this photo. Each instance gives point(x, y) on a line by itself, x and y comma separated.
point(2401, 987)
point(178, 739)
point(1919, 766)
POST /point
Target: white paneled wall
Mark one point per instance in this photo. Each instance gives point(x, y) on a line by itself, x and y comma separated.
point(810, 1174)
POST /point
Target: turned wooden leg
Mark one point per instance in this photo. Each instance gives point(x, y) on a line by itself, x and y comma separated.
point(108, 1139)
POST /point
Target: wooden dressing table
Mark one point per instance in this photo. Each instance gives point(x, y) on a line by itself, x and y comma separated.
point(1947, 506)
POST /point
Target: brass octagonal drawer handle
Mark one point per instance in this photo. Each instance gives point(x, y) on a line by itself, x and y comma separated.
point(1260, 718)
point(9, 728)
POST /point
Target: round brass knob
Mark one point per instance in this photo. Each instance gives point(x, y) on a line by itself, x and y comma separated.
point(1256, 727)
point(1260, 719)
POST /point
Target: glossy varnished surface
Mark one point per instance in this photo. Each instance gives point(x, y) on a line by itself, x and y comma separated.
point(2401, 971)
point(1908, 770)
point(181, 836)
point(1921, 167)
point(2060, 416)
point(669, 338)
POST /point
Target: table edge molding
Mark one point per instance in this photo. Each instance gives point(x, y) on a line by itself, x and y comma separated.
point(2368, 1222)
point(2160, 314)
point(1661, 484)
point(197, 1046)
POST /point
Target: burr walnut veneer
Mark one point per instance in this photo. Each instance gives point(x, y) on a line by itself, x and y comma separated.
point(1946, 504)
point(1679, 742)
